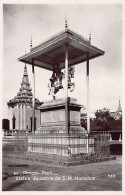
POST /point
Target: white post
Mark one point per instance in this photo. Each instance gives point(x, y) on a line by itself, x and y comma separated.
point(10, 118)
point(33, 101)
point(87, 143)
point(120, 138)
point(24, 118)
point(110, 137)
point(88, 101)
point(66, 87)
point(17, 118)
point(21, 117)
point(88, 98)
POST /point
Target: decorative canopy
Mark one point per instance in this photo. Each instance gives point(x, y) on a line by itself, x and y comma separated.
point(52, 51)
point(24, 96)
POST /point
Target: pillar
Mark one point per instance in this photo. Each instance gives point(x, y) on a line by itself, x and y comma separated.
point(120, 138)
point(21, 127)
point(66, 88)
point(88, 102)
point(87, 143)
point(19, 115)
point(18, 118)
point(10, 117)
point(24, 117)
point(33, 101)
point(88, 98)
point(110, 137)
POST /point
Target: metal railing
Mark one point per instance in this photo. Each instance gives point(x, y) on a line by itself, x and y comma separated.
point(60, 146)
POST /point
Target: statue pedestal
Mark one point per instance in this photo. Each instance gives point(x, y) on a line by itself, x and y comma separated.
point(53, 144)
point(52, 137)
point(53, 116)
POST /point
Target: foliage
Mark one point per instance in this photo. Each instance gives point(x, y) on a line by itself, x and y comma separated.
point(102, 117)
point(103, 121)
point(102, 114)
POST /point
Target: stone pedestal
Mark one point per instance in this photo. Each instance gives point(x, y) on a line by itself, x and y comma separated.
point(53, 138)
point(53, 144)
point(53, 116)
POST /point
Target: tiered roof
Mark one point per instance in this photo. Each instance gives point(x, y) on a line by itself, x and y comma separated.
point(118, 114)
point(24, 96)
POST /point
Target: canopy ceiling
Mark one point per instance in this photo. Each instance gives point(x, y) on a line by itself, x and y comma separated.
point(52, 51)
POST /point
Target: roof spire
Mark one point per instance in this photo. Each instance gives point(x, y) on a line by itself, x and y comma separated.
point(90, 36)
point(66, 25)
point(31, 43)
point(119, 106)
point(25, 62)
point(25, 71)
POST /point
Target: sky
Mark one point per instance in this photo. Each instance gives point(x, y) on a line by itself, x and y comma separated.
point(21, 21)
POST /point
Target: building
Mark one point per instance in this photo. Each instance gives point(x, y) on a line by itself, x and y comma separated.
point(20, 107)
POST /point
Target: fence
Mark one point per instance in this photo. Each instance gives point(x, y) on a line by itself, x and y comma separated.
point(61, 146)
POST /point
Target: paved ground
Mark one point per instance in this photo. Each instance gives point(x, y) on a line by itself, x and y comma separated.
point(22, 175)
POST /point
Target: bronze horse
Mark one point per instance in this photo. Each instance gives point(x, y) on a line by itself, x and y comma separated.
point(56, 81)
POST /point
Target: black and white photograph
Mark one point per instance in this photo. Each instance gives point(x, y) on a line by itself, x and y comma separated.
point(62, 97)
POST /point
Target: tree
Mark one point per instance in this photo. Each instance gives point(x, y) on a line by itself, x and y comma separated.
point(102, 117)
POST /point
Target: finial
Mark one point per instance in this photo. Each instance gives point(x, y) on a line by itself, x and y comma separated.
point(66, 25)
point(25, 66)
point(90, 37)
point(25, 62)
point(119, 99)
point(119, 106)
point(31, 43)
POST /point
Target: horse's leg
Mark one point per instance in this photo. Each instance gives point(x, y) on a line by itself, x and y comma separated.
point(72, 87)
point(49, 89)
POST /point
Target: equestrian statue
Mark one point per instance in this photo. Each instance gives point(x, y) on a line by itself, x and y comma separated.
point(56, 80)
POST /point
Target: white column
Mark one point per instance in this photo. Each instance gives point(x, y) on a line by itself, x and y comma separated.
point(88, 102)
point(17, 118)
point(120, 138)
point(33, 101)
point(11, 116)
point(88, 98)
point(87, 144)
point(66, 88)
point(24, 116)
point(21, 117)
point(110, 137)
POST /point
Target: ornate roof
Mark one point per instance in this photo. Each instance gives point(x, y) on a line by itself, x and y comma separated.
point(52, 51)
point(24, 96)
point(118, 114)
point(119, 107)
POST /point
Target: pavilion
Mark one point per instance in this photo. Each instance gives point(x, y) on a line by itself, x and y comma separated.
point(64, 49)
point(61, 137)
